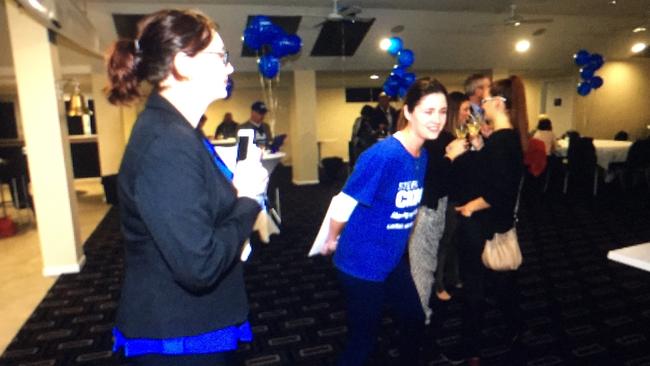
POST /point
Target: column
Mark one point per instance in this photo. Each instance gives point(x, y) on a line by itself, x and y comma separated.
point(303, 129)
point(110, 129)
point(36, 65)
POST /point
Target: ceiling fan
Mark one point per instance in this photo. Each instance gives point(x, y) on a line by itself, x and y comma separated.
point(343, 14)
point(515, 20)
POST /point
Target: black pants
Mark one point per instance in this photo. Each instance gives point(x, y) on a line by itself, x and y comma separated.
point(475, 276)
point(365, 300)
point(447, 268)
point(212, 359)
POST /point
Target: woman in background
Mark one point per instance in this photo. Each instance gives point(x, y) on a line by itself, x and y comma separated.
point(545, 133)
point(184, 216)
point(374, 214)
point(500, 166)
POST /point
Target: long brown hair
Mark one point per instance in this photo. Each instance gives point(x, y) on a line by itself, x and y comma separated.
point(513, 90)
point(454, 101)
point(150, 56)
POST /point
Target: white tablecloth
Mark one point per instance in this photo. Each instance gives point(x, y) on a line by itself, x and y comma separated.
point(607, 151)
point(636, 256)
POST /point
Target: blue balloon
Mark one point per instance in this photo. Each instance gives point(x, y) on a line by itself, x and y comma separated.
point(392, 85)
point(229, 87)
point(287, 44)
point(252, 39)
point(584, 88)
point(270, 34)
point(398, 71)
point(269, 66)
point(395, 46)
point(260, 23)
point(596, 82)
point(408, 79)
point(596, 61)
point(405, 58)
point(581, 57)
point(587, 72)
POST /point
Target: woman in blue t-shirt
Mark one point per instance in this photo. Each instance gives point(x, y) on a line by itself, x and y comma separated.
point(374, 215)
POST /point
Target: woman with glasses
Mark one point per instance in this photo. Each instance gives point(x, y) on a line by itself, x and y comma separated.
point(184, 214)
point(499, 166)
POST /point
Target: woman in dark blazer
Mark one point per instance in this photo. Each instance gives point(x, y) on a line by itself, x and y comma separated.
point(498, 169)
point(184, 216)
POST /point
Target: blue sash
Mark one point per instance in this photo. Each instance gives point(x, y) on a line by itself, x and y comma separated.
point(217, 160)
point(220, 340)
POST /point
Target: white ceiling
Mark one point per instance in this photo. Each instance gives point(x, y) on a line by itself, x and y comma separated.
point(444, 34)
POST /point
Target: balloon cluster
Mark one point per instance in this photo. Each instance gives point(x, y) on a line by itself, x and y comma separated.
point(260, 35)
point(400, 79)
point(589, 63)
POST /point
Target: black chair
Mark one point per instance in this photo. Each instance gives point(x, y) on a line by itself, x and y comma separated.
point(621, 136)
point(637, 162)
point(582, 167)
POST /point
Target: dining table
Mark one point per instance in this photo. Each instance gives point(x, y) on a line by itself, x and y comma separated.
point(607, 151)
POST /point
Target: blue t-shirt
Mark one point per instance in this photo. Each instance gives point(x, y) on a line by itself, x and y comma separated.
point(387, 182)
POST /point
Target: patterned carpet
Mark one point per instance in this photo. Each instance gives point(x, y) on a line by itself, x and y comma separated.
point(580, 308)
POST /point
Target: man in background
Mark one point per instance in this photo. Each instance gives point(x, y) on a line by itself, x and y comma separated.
point(227, 128)
point(256, 122)
point(477, 87)
point(384, 118)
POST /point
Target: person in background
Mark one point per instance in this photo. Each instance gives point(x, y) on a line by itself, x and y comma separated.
point(374, 214)
point(500, 168)
point(184, 215)
point(545, 134)
point(477, 87)
point(430, 222)
point(363, 136)
point(384, 118)
point(227, 128)
point(256, 122)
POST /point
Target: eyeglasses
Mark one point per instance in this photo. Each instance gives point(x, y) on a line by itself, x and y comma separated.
point(225, 55)
point(485, 100)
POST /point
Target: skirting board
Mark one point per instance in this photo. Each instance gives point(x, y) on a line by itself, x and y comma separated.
point(52, 271)
point(305, 182)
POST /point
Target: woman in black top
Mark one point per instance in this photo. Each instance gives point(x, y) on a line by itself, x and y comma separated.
point(500, 166)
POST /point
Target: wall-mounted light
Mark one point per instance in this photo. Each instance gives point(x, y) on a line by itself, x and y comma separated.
point(374, 77)
point(77, 106)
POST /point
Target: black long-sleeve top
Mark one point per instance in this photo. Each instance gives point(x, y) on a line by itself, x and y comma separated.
point(436, 180)
point(501, 163)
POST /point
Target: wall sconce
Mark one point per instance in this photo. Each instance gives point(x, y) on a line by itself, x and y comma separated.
point(78, 106)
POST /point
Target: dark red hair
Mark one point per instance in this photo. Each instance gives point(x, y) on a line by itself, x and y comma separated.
point(150, 56)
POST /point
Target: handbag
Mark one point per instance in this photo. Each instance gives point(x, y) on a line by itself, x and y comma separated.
point(502, 252)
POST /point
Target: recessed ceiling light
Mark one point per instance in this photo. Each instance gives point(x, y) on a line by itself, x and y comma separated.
point(384, 44)
point(639, 29)
point(374, 76)
point(612, 2)
point(522, 46)
point(638, 47)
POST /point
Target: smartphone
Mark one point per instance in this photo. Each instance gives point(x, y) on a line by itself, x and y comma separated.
point(245, 140)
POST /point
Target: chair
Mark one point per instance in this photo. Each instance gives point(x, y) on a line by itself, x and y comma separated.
point(621, 136)
point(637, 161)
point(582, 167)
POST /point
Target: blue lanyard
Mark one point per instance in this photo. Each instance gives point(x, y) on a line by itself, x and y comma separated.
point(217, 160)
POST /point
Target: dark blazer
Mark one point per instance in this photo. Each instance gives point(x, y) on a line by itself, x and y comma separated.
point(183, 229)
point(378, 117)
